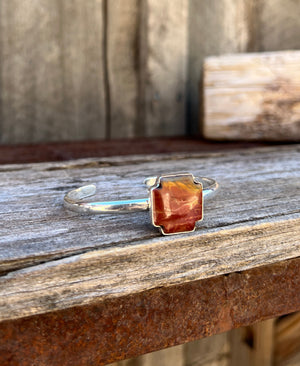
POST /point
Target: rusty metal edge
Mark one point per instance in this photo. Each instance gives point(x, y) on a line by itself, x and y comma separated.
point(125, 327)
point(60, 151)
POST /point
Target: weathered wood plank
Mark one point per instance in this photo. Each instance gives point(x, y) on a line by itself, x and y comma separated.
point(122, 64)
point(162, 67)
point(99, 274)
point(82, 62)
point(253, 96)
point(215, 27)
point(28, 77)
point(113, 255)
point(51, 71)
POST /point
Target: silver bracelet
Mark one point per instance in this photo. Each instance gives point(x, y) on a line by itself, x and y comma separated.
point(175, 201)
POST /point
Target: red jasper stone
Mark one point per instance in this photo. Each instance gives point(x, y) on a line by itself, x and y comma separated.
point(177, 204)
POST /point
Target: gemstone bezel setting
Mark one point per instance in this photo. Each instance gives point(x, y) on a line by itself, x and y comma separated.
point(180, 179)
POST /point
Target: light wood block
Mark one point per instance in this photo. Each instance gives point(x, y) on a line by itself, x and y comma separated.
point(252, 96)
point(215, 27)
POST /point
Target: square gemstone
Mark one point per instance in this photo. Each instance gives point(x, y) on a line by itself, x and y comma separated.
point(177, 203)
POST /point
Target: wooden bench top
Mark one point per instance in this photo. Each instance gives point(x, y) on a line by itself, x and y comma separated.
point(111, 283)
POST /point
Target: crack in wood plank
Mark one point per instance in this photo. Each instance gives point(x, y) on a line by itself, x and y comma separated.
point(54, 259)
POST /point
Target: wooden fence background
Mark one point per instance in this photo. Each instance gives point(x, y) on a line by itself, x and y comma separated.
point(85, 69)
point(89, 69)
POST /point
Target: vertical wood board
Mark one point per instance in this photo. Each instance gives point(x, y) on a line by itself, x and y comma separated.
point(287, 340)
point(263, 343)
point(279, 25)
point(122, 64)
point(215, 27)
point(69, 70)
point(211, 351)
point(24, 27)
point(241, 347)
point(83, 66)
point(163, 58)
point(51, 70)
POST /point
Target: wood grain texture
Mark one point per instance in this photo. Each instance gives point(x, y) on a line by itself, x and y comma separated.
point(263, 334)
point(76, 70)
point(230, 26)
point(122, 64)
point(84, 91)
point(211, 351)
point(215, 27)
point(51, 70)
point(287, 340)
point(163, 57)
point(253, 96)
point(279, 26)
point(241, 347)
point(55, 259)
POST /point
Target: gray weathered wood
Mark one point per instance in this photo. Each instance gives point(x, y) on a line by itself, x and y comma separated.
point(54, 259)
point(162, 67)
point(82, 63)
point(215, 27)
point(69, 70)
point(51, 69)
point(229, 26)
point(253, 96)
point(122, 65)
point(279, 25)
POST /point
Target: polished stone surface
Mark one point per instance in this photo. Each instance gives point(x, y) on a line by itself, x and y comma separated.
point(177, 204)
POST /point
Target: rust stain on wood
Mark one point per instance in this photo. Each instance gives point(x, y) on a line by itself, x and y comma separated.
point(132, 325)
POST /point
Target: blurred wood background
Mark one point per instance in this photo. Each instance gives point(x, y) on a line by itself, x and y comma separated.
point(87, 69)
point(102, 69)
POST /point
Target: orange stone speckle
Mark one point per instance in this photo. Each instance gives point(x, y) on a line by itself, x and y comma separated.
point(177, 204)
